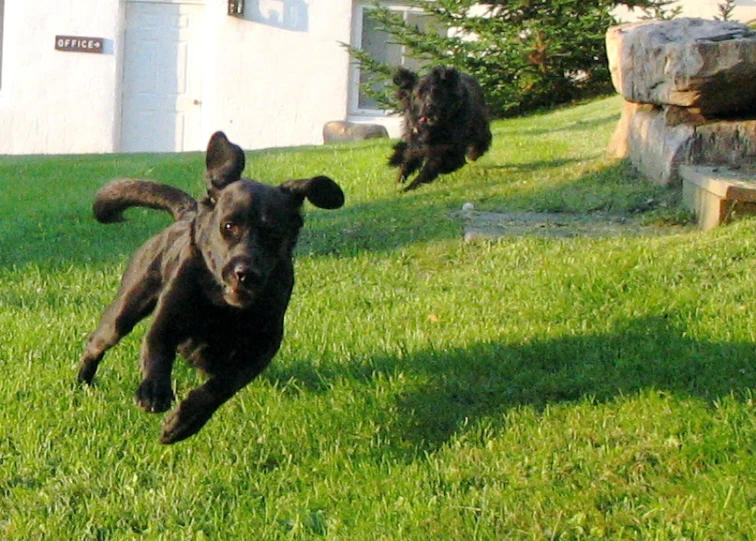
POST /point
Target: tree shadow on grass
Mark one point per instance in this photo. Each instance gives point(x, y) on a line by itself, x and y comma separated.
point(466, 385)
point(60, 227)
point(530, 166)
point(575, 126)
point(67, 234)
point(395, 223)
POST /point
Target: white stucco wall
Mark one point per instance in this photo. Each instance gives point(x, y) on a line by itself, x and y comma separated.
point(275, 78)
point(745, 10)
point(272, 78)
point(53, 101)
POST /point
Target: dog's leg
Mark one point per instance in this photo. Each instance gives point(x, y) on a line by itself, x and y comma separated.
point(407, 168)
point(438, 162)
point(130, 306)
point(202, 402)
point(480, 145)
point(473, 153)
point(155, 394)
point(407, 160)
point(427, 174)
point(397, 157)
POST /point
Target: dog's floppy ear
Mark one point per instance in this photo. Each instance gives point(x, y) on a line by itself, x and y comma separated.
point(224, 162)
point(405, 79)
point(447, 74)
point(321, 191)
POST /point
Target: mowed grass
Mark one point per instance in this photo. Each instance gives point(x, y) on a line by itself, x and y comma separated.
point(427, 388)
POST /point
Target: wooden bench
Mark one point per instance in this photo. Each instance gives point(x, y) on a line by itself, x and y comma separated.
point(716, 194)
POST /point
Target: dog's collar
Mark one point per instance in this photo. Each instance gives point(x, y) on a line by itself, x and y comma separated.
point(192, 236)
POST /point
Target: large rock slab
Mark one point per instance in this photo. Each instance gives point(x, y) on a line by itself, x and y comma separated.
point(725, 142)
point(655, 145)
point(709, 65)
point(659, 140)
point(339, 131)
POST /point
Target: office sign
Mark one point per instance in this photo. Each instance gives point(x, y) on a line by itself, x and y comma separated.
point(78, 44)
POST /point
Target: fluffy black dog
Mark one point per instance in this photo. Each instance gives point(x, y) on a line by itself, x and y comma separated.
point(445, 120)
point(218, 280)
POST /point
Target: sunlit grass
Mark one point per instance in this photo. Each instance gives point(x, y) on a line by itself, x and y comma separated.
point(427, 388)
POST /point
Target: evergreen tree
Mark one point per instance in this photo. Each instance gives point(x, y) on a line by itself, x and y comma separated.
point(526, 54)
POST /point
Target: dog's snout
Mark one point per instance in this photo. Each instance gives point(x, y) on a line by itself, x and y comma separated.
point(244, 273)
point(241, 272)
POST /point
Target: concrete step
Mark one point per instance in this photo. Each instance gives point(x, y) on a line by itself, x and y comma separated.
point(717, 194)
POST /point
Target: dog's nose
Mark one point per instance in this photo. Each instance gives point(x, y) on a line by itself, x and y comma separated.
point(245, 274)
point(241, 272)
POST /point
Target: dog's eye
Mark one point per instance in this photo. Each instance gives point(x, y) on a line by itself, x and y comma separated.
point(230, 228)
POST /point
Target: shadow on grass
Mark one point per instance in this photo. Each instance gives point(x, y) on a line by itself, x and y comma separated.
point(72, 236)
point(576, 126)
point(531, 166)
point(484, 382)
point(422, 217)
point(59, 228)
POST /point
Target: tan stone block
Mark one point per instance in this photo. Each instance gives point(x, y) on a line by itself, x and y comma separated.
point(716, 195)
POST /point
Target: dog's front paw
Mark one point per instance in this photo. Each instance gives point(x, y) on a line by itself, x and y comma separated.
point(153, 396)
point(186, 420)
point(86, 372)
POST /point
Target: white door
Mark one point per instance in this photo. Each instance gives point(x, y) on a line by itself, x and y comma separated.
point(162, 78)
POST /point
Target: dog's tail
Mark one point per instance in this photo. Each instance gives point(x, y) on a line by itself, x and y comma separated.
point(120, 194)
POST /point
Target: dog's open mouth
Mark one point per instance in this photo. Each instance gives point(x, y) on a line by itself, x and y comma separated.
point(237, 296)
point(241, 283)
point(428, 120)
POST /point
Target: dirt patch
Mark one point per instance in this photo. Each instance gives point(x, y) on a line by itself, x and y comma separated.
point(552, 224)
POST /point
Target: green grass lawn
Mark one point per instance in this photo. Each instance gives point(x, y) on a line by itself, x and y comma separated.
point(427, 389)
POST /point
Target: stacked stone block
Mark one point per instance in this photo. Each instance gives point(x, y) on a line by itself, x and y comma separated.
point(690, 100)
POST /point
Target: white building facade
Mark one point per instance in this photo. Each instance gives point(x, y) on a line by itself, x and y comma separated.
point(744, 10)
point(98, 76)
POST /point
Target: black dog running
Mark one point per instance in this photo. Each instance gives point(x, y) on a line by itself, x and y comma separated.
point(218, 280)
point(445, 121)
